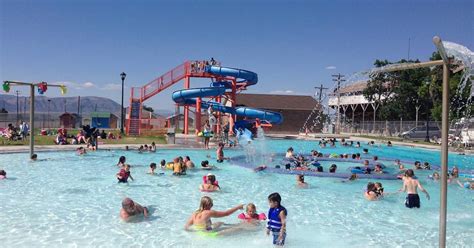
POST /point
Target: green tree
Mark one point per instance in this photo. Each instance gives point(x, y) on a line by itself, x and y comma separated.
point(397, 92)
point(461, 104)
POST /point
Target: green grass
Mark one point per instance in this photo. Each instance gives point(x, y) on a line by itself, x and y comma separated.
point(49, 140)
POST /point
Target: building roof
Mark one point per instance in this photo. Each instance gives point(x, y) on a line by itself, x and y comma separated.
point(355, 87)
point(267, 101)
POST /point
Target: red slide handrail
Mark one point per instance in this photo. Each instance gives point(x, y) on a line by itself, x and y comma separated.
point(163, 82)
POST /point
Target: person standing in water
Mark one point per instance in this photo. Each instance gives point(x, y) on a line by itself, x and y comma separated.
point(411, 186)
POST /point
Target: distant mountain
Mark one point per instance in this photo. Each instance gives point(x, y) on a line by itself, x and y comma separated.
point(60, 104)
point(57, 105)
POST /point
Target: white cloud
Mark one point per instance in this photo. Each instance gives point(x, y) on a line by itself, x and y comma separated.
point(331, 67)
point(112, 86)
point(282, 92)
point(88, 85)
point(77, 86)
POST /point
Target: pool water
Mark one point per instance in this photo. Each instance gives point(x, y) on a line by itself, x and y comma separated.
point(74, 201)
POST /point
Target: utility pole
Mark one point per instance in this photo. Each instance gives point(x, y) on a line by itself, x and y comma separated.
point(409, 39)
point(338, 78)
point(17, 108)
point(321, 88)
point(321, 111)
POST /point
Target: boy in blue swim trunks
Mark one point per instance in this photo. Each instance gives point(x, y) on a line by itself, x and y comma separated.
point(276, 219)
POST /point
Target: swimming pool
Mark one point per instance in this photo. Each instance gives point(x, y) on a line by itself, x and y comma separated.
point(73, 201)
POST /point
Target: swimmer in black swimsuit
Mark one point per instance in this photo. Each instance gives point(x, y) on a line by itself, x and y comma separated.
point(411, 185)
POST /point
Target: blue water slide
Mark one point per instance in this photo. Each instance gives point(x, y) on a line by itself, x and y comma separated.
point(248, 77)
point(188, 96)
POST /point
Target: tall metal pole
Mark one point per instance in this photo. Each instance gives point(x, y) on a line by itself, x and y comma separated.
point(321, 88)
point(49, 116)
point(444, 158)
point(17, 109)
point(338, 78)
point(121, 108)
point(32, 119)
point(444, 143)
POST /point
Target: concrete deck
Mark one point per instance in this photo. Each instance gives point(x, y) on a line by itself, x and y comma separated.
point(192, 142)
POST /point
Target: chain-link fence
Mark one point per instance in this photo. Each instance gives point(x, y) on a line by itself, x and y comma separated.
point(385, 128)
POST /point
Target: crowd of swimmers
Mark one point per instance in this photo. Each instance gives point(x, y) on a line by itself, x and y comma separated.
point(201, 219)
point(179, 166)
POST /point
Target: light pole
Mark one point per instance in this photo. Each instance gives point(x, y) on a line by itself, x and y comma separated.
point(122, 76)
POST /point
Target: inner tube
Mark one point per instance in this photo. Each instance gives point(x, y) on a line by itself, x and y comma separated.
point(169, 165)
point(260, 216)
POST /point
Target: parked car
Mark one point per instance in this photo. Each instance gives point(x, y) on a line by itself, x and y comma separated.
point(420, 133)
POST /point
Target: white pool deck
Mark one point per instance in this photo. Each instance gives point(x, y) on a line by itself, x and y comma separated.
point(193, 142)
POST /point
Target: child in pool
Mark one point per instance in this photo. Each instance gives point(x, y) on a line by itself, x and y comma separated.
point(378, 189)
point(163, 164)
point(370, 193)
point(3, 174)
point(209, 185)
point(251, 215)
point(201, 218)
point(353, 177)
point(378, 169)
point(435, 176)
point(124, 174)
point(121, 161)
point(289, 153)
point(466, 185)
point(80, 151)
point(300, 182)
point(131, 208)
point(152, 169)
point(276, 219)
point(206, 166)
point(220, 153)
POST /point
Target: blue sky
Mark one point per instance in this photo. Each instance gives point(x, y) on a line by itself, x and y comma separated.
point(290, 44)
